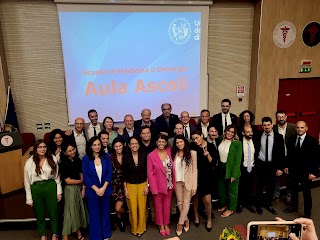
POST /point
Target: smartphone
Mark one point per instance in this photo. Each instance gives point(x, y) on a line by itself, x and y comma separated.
point(273, 230)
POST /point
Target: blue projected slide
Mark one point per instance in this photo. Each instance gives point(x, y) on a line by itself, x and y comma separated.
point(120, 62)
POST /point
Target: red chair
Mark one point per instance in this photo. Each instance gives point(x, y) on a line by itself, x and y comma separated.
point(192, 122)
point(29, 139)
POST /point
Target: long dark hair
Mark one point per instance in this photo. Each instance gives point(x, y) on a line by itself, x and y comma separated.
point(104, 127)
point(186, 151)
point(47, 155)
point(64, 147)
point(52, 146)
point(113, 156)
point(89, 150)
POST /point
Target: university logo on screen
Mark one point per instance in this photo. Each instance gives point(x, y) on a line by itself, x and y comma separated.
point(179, 31)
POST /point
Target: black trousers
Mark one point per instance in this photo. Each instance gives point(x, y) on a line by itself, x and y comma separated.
point(246, 183)
point(266, 175)
point(305, 184)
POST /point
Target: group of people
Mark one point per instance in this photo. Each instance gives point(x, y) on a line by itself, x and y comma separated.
point(80, 176)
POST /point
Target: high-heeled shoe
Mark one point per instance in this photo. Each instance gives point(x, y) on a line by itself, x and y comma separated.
point(186, 228)
point(209, 228)
point(162, 232)
point(168, 231)
point(197, 224)
point(177, 231)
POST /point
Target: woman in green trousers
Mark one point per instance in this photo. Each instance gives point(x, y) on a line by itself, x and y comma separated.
point(230, 152)
point(43, 187)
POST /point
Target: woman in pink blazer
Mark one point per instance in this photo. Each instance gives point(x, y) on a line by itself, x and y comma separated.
point(161, 177)
point(185, 162)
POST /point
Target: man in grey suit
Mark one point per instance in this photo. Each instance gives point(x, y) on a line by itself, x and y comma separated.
point(287, 130)
point(93, 127)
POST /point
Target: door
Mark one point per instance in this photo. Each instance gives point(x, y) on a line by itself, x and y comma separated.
point(300, 99)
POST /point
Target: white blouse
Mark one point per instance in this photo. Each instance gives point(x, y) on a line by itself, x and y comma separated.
point(30, 176)
point(180, 166)
point(224, 150)
point(99, 171)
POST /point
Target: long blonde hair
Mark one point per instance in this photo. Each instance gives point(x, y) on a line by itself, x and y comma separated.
point(235, 137)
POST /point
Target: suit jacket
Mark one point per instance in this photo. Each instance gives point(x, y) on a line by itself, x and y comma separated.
point(290, 132)
point(234, 160)
point(191, 173)
point(153, 127)
point(304, 161)
point(156, 173)
point(90, 175)
point(256, 146)
point(192, 127)
point(86, 129)
point(125, 136)
point(217, 121)
point(162, 125)
point(278, 152)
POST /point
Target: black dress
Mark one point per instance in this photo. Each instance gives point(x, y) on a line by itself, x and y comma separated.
point(205, 169)
point(117, 180)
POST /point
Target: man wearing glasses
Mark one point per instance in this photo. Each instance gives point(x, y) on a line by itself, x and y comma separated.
point(167, 121)
point(187, 128)
point(225, 118)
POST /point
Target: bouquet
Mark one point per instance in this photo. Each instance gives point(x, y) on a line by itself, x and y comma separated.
point(230, 234)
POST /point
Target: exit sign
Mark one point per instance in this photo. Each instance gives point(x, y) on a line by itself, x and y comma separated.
point(305, 70)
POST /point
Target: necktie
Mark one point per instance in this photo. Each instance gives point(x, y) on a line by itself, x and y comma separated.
point(185, 132)
point(267, 152)
point(94, 131)
point(249, 167)
point(298, 146)
point(225, 122)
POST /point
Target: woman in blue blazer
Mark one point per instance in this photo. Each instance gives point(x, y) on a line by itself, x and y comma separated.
point(97, 174)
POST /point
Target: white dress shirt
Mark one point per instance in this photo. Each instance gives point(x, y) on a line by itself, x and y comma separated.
point(188, 130)
point(81, 143)
point(30, 176)
point(229, 122)
point(91, 130)
point(245, 152)
point(302, 137)
point(204, 129)
point(99, 171)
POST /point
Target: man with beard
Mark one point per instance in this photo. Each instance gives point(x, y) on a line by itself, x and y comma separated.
point(269, 161)
point(166, 121)
point(104, 137)
point(247, 168)
point(224, 118)
point(94, 127)
point(287, 130)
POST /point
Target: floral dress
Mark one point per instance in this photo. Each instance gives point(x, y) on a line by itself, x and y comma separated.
point(117, 181)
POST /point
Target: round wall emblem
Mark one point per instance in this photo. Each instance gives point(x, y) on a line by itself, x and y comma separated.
point(311, 34)
point(6, 140)
point(284, 34)
point(179, 31)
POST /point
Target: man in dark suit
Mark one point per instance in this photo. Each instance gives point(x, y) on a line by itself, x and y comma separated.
point(204, 122)
point(247, 168)
point(104, 137)
point(269, 157)
point(213, 138)
point(225, 118)
point(146, 121)
point(77, 137)
point(302, 167)
point(93, 127)
point(167, 121)
point(187, 128)
point(129, 130)
point(287, 130)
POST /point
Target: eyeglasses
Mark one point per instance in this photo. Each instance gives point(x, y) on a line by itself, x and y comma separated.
point(230, 131)
point(166, 109)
